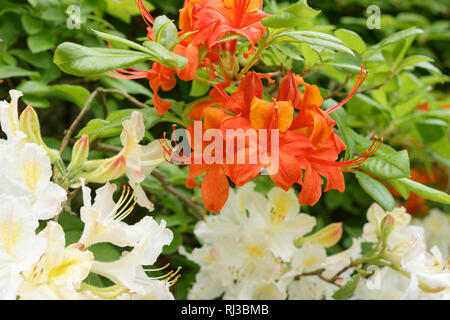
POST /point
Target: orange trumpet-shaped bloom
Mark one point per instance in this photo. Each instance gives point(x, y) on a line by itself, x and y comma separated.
point(218, 18)
point(238, 102)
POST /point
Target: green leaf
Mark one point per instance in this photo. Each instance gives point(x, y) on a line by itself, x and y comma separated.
point(174, 245)
point(125, 85)
point(376, 190)
point(83, 61)
point(76, 94)
point(351, 39)
point(13, 71)
point(293, 16)
point(41, 42)
point(125, 9)
point(31, 25)
point(347, 290)
point(429, 67)
point(413, 61)
point(410, 104)
point(166, 57)
point(156, 51)
point(112, 125)
point(404, 192)
point(391, 166)
point(398, 36)
point(105, 252)
point(166, 32)
point(425, 191)
point(313, 38)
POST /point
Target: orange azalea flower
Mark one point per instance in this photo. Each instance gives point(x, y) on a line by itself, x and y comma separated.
point(238, 103)
point(215, 185)
point(216, 19)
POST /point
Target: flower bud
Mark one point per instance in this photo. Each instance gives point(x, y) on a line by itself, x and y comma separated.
point(108, 170)
point(79, 154)
point(326, 237)
point(386, 228)
point(29, 124)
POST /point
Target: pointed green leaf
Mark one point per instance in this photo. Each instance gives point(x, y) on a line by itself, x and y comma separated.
point(391, 166)
point(78, 60)
point(376, 190)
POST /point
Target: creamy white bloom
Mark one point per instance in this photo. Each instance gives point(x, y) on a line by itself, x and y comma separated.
point(375, 216)
point(233, 217)
point(9, 117)
point(59, 271)
point(312, 287)
point(437, 230)
point(103, 219)
point(279, 219)
point(140, 160)
point(26, 172)
point(234, 267)
point(154, 290)
point(427, 270)
point(274, 218)
point(128, 270)
point(19, 246)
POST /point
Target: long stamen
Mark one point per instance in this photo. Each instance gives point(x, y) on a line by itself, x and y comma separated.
point(118, 204)
point(355, 162)
point(158, 269)
point(359, 81)
point(170, 154)
point(124, 212)
point(146, 16)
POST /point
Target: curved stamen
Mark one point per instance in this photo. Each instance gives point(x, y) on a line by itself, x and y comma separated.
point(146, 16)
point(176, 154)
point(355, 162)
point(359, 81)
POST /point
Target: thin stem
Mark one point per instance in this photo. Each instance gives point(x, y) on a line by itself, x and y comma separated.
point(87, 106)
point(254, 59)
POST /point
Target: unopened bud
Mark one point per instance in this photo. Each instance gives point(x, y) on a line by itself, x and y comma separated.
point(29, 124)
point(326, 237)
point(386, 228)
point(80, 153)
point(109, 170)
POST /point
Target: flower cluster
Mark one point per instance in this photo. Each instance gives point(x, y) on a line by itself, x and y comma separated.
point(41, 266)
point(405, 269)
point(307, 146)
point(204, 24)
point(262, 248)
point(251, 248)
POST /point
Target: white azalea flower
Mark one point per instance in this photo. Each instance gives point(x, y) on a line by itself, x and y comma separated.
point(9, 117)
point(437, 230)
point(375, 215)
point(20, 248)
point(60, 270)
point(128, 270)
point(210, 280)
point(312, 258)
point(103, 219)
point(233, 217)
point(279, 219)
point(427, 270)
point(26, 172)
point(154, 290)
point(140, 160)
